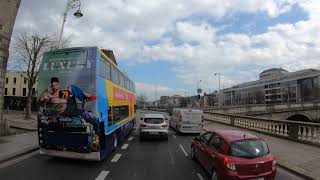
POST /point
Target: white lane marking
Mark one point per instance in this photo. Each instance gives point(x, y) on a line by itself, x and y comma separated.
point(130, 138)
point(200, 176)
point(125, 146)
point(13, 161)
point(116, 158)
point(185, 153)
point(102, 175)
point(174, 136)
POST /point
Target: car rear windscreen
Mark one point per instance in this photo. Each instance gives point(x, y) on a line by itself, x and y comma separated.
point(248, 148)
point(153, 120)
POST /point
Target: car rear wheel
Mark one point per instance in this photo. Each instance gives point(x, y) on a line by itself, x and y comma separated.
point(141, 138)
point(214, 175)
point(193, 153)
point(177, 131)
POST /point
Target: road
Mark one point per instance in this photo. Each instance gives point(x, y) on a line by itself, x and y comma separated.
point(134, 160)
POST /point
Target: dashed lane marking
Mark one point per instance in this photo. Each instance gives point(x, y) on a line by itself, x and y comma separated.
point(184, 151)
point(116, 158)
point(174, 136)
point(125, 146)
point(200, 176)
point(102, 175)
point(130, 138)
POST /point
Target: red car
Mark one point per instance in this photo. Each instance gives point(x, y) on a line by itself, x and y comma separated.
point(234, 155)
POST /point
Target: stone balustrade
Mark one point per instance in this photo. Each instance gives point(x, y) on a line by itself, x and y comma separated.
point(298, 131)
point(259, 108)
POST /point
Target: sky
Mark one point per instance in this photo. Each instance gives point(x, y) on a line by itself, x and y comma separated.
point(168, 46)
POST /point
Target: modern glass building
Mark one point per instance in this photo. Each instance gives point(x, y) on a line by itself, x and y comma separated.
point(276, 85)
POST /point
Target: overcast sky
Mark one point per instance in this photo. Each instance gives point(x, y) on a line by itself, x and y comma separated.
point(172, 44)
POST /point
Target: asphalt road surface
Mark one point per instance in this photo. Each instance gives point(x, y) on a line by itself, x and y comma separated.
point(153, 159)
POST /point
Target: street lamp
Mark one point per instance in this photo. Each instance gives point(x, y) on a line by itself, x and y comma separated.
point(72, 4)
point(218, 74)
point(220, 96)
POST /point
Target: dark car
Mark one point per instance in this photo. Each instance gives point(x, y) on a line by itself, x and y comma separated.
point(234, 155)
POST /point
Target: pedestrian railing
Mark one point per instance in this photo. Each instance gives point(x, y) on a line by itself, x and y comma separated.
point(298, 131)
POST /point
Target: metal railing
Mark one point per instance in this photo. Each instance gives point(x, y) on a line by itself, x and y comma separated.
point(298, 131)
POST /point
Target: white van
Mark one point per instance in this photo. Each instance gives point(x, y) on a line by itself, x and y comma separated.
point(187, 120)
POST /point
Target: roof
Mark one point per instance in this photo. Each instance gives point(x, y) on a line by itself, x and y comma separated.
point(273, 69)
point(153, 116)
point(234, 135)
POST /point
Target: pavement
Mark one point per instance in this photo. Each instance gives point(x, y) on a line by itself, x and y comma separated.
point(300, 158)
point(18, 120)
point(156, 159)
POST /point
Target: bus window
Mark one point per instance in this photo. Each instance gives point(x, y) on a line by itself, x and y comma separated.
point(110, 120)
point(120, 113)
point(130, 85)
point(105, 69)
point(126, 83)
point(121, 79)
point(114, 75)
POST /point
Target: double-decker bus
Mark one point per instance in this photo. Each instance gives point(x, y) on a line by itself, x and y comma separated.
point(86, 104)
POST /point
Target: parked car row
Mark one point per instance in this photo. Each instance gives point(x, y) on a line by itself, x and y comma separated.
point(224, 154)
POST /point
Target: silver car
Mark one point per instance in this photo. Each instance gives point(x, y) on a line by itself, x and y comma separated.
point(153, 125)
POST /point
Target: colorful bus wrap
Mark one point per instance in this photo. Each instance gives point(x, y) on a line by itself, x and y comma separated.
point(87, 105)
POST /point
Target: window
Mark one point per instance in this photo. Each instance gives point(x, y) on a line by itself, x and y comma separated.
point(24, 91)
point(15, 80)
point(13, 91)
point(154, 120)
point(7, 80)
point(121, 79)
point(248, 148)
point(126, 83)
point(110, 121)
point(105, 69)
point(25, 80)
point(119, 113)
point(114, 75)
point(5, 91)
point(216, 141)
point(204, 138)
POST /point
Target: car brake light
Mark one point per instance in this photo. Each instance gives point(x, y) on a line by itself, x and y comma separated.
point(143, 125)
point(164, 125)
point(229, 163)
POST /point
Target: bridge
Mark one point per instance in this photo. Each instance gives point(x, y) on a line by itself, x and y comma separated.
point(306, 112)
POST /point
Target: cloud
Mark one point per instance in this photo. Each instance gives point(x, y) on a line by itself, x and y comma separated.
point(153, 91)
point(197, 49)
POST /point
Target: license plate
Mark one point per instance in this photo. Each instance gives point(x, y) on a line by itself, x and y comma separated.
point(153, 133)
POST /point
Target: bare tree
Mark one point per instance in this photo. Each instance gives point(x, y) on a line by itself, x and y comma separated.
point(30, 48)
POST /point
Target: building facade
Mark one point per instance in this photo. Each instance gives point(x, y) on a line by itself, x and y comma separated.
point(16, 91)
point(8, 13)
point(276, 85)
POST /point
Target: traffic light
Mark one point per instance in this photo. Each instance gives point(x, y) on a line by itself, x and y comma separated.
point(199, 97)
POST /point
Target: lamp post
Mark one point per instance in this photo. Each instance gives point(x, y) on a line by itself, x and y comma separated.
point(70, 5)
point(220, 96)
